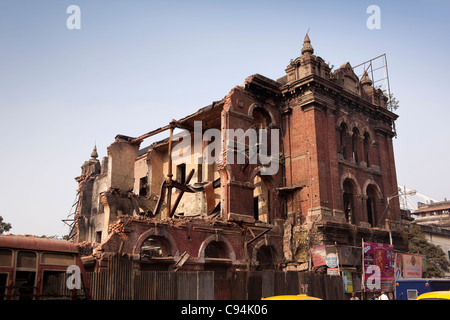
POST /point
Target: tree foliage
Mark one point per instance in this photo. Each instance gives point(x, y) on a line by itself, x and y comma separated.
point(4, 227)
point(395, 104)
point(56, 237)
point(437, 263)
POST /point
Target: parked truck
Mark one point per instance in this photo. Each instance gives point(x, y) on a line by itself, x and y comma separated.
point(410, 289)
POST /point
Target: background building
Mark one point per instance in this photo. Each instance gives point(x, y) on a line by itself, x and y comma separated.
point(434, 221)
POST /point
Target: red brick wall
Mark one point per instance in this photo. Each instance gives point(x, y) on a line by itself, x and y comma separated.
point(311, 146)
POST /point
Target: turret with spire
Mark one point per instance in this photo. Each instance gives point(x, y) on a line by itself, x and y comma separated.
point(91, 166)
point(365, 80)
point(307, 47)
point(94, 154)
point(369, 93)
point(90, 170)
point(307, 64)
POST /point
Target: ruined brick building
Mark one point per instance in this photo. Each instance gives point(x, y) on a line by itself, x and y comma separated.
point(336, 171)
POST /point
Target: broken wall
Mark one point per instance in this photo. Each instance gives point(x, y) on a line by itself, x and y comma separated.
point(122, 156)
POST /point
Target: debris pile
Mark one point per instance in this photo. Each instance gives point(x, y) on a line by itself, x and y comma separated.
point(116, 227)
point(84, 248)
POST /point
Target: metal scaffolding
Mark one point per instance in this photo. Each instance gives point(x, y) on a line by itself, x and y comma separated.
point(377, 69)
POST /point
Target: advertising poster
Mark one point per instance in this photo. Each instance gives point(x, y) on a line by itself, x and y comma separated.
point(318, 255)
point(348, 281)
point(398, 266)
point(379, 265)
point(412, 266)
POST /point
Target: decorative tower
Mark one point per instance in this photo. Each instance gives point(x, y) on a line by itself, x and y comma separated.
point(89, 171)
point(307, 47)
point(338, 149)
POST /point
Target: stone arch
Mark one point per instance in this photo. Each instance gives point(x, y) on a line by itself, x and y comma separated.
point(365, 129)
point(264, 248)
point(161, 233)
point(355, 125)
point(352, 177)
point(373, 204)
point(217, 238)
point(256, 106)
point(351, 195)
point(375, 185)
point(342, 120)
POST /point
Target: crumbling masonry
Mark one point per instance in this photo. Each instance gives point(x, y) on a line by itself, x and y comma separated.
point(336, 172)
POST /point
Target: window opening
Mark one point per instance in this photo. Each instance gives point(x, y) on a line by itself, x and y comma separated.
point(98, 236)
point(3, 283)
point(355, 138)
point(255, 208)
point(26, 259)
point(349, 201)
point(366, 148)
point(5, 258)
point(24, 285)
point(181, 173)
point(216, 249)
point(143, 186)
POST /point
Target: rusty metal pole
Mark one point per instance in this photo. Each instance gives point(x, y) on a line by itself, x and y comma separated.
point(169, 173)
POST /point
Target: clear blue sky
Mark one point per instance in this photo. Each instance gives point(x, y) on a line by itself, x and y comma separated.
point(135, 65)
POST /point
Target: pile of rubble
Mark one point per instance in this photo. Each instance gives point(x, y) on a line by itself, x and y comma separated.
point(85, 248)
point(116, 227)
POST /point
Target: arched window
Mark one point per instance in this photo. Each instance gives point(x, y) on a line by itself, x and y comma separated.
point(367, 148)
point(265, 257)
point(349, 200)
point(355, 142)
point(216, 249)
point(155, 246)
point(218, 258)
point(261, 118)
point(343, 139)
point(371, 203)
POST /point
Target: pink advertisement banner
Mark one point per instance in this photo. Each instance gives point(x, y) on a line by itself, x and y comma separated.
point(379, 266)
point(318, 256)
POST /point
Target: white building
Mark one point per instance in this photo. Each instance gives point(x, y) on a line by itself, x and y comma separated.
point(434, 221)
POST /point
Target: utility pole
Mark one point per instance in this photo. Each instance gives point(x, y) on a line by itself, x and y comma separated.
point(392, 196)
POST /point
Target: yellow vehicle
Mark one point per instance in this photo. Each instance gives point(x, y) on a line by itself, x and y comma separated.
point(292, 297)
point(435, 295)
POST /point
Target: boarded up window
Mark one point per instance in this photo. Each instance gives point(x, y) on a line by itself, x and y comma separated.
point(26, 259)
point(58, 259)
point(5, 258)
